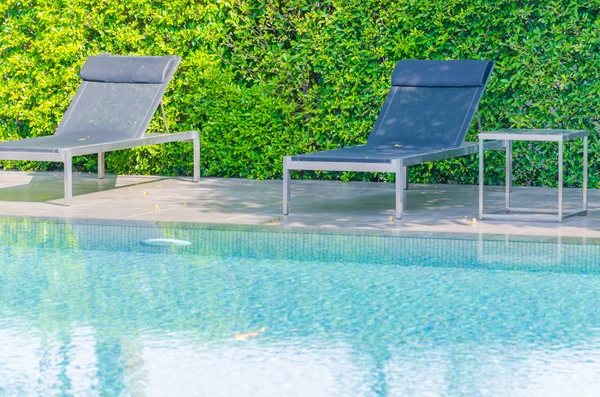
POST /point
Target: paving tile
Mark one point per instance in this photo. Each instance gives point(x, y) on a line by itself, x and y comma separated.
point(323, 204)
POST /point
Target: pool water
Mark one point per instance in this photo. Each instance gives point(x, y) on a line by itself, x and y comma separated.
point(87, 310)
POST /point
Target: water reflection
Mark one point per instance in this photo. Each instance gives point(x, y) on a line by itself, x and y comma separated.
point(437, 318)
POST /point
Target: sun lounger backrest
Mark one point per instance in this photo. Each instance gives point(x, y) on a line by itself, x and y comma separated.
point(118, 96)
point(431, 104)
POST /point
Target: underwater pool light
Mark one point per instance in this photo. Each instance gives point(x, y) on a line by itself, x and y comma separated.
point(166, 242)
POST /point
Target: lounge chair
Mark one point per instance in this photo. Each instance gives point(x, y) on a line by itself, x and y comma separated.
point(424, 118)
point(113, 106)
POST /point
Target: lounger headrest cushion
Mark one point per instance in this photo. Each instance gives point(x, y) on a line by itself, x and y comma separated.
point(419, 73)
point(126, 69)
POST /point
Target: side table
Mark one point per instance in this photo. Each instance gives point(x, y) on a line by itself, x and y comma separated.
point(510, 135)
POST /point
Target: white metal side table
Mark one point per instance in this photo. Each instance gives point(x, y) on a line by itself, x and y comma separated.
point(508, 136)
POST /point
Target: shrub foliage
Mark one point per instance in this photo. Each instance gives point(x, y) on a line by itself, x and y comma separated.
point(266, 78)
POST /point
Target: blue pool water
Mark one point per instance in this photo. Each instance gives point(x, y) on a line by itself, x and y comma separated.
point(87, 310)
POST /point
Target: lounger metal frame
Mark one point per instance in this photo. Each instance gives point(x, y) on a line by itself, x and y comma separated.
point(396, 166)
point(66, 155)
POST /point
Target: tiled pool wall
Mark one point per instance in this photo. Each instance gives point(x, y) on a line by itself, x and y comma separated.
point(441, 250)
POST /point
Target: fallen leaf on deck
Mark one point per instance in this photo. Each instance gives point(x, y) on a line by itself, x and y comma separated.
point(391, 219)
point(160, 185)
point(81, 139)
point(157, 207)
point(474, 221)
point(249, 335)
point(184, 203)
point(271, 221)
point(280, 218)
point(145, 193)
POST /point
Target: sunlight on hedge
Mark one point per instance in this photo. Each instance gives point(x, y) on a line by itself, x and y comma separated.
point(264, 79)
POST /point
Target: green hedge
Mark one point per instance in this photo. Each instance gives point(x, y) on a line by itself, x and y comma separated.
point(264, 79)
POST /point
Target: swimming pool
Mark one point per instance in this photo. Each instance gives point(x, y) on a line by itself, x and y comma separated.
point(86, 309)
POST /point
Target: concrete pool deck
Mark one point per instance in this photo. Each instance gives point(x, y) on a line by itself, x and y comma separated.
point(354, 206)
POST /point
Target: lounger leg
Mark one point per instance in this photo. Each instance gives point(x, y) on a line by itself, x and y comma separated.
point(197, 157)
point(286, 186)
point(68, 162)
point(101, 165)
point(399, 189)
point(405, 174)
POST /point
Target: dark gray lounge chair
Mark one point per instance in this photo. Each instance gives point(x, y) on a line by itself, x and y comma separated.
point(111, 111)
point(424, 118)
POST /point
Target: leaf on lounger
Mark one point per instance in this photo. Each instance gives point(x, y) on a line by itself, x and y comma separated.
point(397, 145)
point(81, 139)
point(249, 335)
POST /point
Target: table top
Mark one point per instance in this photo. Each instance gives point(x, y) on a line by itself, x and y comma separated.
point(534, 135)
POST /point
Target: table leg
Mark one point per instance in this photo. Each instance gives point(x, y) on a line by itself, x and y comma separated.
point(560, 181)
point(508, 145)
point(481, 178)
point(286, 186)
point(585, 173)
